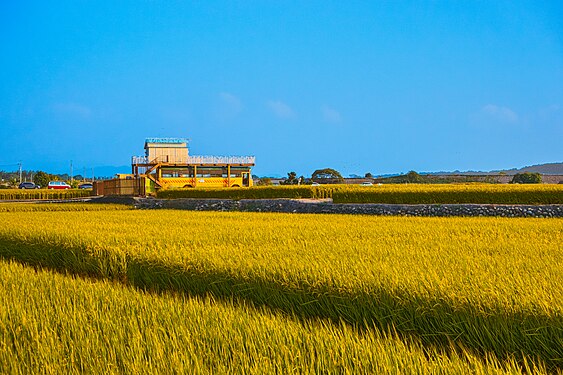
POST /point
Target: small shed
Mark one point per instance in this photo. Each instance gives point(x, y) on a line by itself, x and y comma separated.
point(166, 150)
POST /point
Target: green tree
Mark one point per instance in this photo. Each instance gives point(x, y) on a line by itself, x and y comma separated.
point(322, 175)
point(264, 181)
point(291, 179)
point(414, 177)
point(526, 178)
point(42, 179)
point(368, 175)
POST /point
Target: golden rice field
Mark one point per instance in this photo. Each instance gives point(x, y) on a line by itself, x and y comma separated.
point(50, 207)
point(390, 193)
point(452, 194)
point(258, 292)
point(61, 325)
point(19, 194)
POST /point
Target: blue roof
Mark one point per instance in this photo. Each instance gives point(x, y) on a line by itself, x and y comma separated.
point(166, 140)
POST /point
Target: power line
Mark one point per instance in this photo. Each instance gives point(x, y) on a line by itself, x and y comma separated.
point(8, 165)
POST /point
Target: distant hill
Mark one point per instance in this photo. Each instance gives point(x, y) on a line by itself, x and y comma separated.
point(548, 168)
point(545, 169)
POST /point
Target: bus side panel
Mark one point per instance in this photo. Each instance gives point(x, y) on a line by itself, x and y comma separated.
point(177, 182)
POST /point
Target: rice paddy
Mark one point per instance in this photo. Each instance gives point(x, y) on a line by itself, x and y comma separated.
point(251, 292)
point(22, 194)
point(390, 193)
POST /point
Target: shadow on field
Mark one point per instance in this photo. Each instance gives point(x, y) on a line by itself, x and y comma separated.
point(432, 322)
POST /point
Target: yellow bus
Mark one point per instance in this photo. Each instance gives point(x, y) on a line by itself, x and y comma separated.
point(213, 176)
point(195, 172)
point(167, 164)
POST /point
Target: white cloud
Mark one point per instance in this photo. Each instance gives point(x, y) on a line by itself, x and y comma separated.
point(71, 110)
point(280, 109)
point(227, 107)
point(331, 114)
point(499, 113)
point(231, 102)
point(549, 111)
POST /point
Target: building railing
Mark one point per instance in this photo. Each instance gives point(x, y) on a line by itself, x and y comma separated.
point(221, 159)
point(167, 140)
point(139, 160)
point(136, 160)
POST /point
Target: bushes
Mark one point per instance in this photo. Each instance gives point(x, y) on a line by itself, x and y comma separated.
point(526, 178)
point(259, 192)
point(390, 194)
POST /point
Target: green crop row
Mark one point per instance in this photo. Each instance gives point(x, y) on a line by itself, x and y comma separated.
point(491, 286)
point(17, 194)
point(258, 192)
point(390, 194)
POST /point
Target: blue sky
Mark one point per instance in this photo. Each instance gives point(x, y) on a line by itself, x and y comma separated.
point(359, 86)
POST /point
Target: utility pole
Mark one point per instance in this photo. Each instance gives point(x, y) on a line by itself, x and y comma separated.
point(20, 169)
point(92, 175)
point(84, 175)
point(71, 172)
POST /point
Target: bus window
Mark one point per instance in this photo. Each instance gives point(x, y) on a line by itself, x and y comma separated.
point(210, 172)
point(188, 172)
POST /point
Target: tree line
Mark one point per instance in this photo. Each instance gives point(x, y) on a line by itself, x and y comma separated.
point(332, 176)
point(41, 178)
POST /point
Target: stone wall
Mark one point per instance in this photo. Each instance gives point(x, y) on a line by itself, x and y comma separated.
point(327, 207)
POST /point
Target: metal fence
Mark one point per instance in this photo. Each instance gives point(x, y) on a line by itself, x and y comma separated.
point(137, 160)
point(117, 186)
